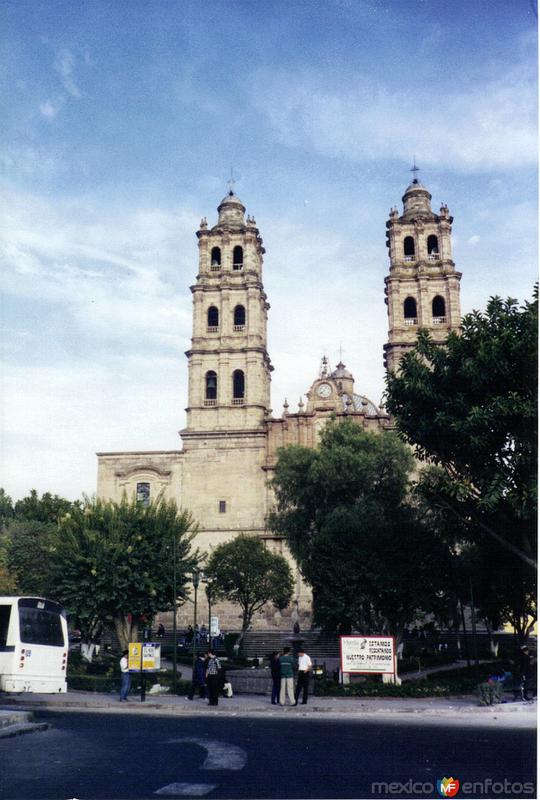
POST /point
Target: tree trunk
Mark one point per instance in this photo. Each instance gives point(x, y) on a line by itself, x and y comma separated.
point(126, 630)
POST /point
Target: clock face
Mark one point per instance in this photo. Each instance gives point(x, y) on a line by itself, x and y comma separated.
point(324, 390)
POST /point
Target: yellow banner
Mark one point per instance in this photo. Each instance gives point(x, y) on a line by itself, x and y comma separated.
point(145, 656)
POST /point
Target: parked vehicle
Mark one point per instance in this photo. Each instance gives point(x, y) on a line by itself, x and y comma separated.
point(33, 645)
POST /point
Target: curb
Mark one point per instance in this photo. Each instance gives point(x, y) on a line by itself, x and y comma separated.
point(8, 731)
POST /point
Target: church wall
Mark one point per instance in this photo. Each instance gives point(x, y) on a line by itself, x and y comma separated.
point(119, 473)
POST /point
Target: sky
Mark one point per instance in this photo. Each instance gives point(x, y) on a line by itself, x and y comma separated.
point(122, 121)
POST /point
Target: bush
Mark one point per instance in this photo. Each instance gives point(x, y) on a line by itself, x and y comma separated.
point(372, 689)
point(92, 683)
point(490, 694)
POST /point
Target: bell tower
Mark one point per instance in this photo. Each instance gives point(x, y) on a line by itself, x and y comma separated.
point(228, 363)
point(422, 288)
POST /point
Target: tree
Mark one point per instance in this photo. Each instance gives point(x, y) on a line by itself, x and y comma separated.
point(27, 531)
point(245, 572)
point(28, 546)
point(469, 408)
point(372, 562)
point(47, 508)
point(6, 508)
point(113, 562)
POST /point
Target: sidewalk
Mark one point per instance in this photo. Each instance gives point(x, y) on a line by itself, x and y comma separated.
point(459, 708)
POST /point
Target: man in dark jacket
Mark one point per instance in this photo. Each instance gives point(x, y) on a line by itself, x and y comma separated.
point(275, 671)
point(198, 679)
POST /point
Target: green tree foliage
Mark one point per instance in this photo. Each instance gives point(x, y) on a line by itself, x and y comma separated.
point(48, 508)
point(6, 508)
point(470, 407)
point(245, 572)
point(371, 560)
point(28, 528)
point(113, 562)
point(28, 546)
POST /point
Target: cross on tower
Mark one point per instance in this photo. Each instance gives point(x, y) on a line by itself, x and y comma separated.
point(414, 168)
point(231, 182)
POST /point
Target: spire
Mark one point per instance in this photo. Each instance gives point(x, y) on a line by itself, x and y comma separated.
point(417, 199)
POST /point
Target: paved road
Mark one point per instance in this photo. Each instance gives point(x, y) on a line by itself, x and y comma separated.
point(126, 757)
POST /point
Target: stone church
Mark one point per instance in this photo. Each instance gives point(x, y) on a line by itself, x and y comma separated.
point(229, 445)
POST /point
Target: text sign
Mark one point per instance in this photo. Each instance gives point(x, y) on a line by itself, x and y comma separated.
point(367, 654)
point(214, 626)
point(145, 656)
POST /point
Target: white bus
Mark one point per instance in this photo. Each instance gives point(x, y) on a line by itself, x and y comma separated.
point(33, 645)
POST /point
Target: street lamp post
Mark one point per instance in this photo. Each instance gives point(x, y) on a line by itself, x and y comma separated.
point(208, 591)
point(175, 632)
point(195, 576)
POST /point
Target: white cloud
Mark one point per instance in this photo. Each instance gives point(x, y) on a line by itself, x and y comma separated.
point(64, 65)
point(491, 125)
point(50, 108)
point(473, 239)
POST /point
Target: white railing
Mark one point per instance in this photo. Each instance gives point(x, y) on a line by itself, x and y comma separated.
point(215, 267)
point(408, 258)
point(411, 321)
point(434, 256)
point(239, 327)
point(238, 267)
point(210, 402)
point(212, 329)
point(238, 401)
point(438, 320)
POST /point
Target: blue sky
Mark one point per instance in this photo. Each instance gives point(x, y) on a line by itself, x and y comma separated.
point(123, 120)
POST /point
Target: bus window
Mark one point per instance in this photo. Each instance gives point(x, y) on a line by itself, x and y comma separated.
point(39, 626)
point(5, 614)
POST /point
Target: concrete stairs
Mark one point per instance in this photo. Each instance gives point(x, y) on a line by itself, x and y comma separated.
point(320, 647)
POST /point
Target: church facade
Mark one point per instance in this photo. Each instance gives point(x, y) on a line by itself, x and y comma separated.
point(229, 445)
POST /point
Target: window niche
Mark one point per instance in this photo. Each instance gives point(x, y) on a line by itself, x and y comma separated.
point(409, 311)
point(212, 319)
point(239, 318)
point(143, 494)
point(210, 390)
point(238, 258)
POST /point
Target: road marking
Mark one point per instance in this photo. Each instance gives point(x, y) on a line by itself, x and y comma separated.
point(219, 755)
point(187, 789)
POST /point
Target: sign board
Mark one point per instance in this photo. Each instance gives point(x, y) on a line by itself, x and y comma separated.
point(145, 656)
point(374, 654)
point(214, 626)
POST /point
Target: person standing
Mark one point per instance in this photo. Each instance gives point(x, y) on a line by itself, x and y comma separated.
point(286, 665)
point(213, 668)
point(524, 667)
point(126, 676)
point(198, 678)
point(275, 671)
point(304, 668)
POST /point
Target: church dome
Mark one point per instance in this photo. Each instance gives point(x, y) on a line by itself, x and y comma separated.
point(416, 200)
point(231, 211)
point(340, 371)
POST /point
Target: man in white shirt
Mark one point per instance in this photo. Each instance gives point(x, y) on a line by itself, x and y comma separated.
point(126, 676)
point(304, 668)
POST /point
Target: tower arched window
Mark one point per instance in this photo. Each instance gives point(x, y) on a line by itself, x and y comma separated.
point(408, 246)
point(409, 311)
point(239, 386)
point(215, 258)
point(438, 309)
point(238, 257)
point(432, 245)
point(213, 318)
point(211, 386)
point(239, 317)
